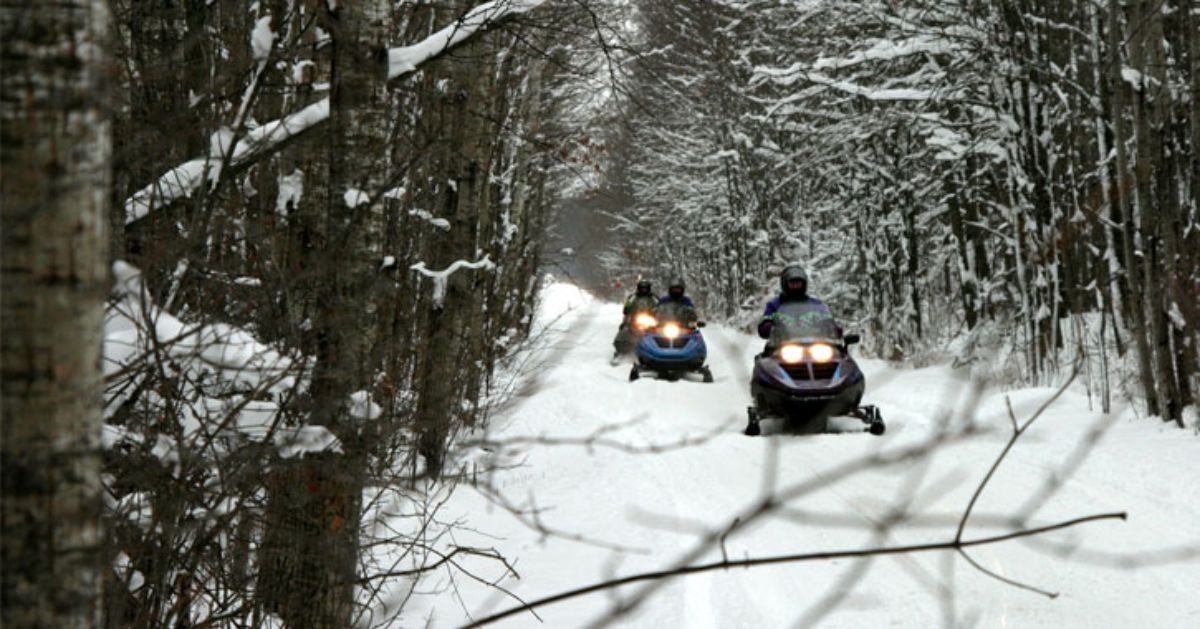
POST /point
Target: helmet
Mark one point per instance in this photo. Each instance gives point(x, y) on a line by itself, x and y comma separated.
point(643, 287)
point(793, 281)
point(676, 287)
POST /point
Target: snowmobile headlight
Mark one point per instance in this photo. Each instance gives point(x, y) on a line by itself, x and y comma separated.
point(791, 353)
point(645, 321)
point(821, 352)
point(671, 330)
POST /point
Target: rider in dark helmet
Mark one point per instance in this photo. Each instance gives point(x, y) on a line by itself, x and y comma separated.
point(675, 292)
point(641, 300)
point(676, 295)
point(793, 286)
point(793, 282)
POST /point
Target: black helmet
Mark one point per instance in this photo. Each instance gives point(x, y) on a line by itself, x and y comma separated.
point(643, 287)
point(792, 275)
point(676, 287)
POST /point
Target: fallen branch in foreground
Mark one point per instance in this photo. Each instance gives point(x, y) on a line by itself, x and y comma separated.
point(954, 545)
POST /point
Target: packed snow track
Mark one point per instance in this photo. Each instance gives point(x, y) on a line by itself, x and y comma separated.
point(624, 478)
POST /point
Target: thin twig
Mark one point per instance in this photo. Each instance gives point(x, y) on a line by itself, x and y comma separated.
point(1017, 432)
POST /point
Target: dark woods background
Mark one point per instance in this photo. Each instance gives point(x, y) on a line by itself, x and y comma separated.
point(277, 301)
point(456, 162)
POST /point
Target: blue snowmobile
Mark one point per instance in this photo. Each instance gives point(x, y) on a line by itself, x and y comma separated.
point(671, 346)
point(806, 374)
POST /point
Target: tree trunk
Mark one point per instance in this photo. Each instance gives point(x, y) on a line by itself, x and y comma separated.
point(311, 570)
point(54, 158)
point(1133, 292)
point(1146, 45)
point(460, 163)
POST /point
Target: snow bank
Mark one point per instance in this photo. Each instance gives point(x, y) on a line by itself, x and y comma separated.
point(231, 381)
point(558, 298)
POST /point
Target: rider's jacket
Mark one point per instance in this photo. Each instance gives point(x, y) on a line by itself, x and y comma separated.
point(766, 322)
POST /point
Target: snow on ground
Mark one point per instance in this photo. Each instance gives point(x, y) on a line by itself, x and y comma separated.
point(654, 506)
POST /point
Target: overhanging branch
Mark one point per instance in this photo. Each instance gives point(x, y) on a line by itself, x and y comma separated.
point(184, 179)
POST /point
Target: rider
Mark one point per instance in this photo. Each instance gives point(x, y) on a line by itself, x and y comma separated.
point(676, 295)
point(793, 287)
point(641, 301)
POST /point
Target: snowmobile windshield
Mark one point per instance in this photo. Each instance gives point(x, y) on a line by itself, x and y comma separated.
point(802, 321)
point(678, 312)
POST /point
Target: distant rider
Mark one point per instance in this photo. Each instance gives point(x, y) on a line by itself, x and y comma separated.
point(676, 299)
point(793, 287)
point(641, 301)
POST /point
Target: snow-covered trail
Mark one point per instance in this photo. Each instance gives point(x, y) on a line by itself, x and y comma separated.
point(630, 487)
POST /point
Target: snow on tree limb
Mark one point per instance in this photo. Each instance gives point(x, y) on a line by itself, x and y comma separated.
point(888, 50)
point(405, 59)
point(440, 277)
point(184, 179)
point(871, 93)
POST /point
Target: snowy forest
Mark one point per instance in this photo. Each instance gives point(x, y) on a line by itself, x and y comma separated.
point(307, 310)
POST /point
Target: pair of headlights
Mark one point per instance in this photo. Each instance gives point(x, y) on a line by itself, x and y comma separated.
point(818, 352)
point(646, 322)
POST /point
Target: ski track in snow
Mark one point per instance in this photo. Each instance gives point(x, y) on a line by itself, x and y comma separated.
point(659, 504)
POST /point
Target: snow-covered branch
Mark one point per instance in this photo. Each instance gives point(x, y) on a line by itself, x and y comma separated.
point(888, 50)
point(440, 277)
point(871, 93)
point(406, 59)
point(184, 179)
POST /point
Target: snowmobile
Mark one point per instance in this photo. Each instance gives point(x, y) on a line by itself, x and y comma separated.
point(672, 347)
point(806, 375)
point(629, 336)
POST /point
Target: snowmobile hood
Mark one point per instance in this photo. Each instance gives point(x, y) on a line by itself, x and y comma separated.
point(807, 378)
point(685, 348)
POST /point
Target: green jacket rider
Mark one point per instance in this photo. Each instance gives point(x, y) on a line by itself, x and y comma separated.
point(641, 301)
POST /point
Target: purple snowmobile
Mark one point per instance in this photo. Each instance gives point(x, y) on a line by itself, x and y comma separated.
point(806, 374)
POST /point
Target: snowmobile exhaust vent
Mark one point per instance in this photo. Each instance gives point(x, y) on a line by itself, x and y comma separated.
point(811, 371)
point(824, 371)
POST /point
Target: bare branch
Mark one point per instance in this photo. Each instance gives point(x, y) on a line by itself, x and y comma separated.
point(954, 544)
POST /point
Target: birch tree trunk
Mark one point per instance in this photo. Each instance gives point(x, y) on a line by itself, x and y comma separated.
point(54, 160)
